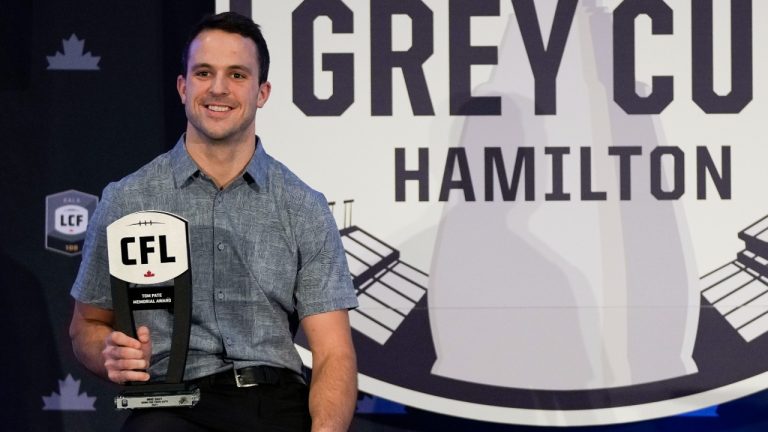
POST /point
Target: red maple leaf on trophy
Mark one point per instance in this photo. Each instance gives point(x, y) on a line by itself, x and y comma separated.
point(149, 274)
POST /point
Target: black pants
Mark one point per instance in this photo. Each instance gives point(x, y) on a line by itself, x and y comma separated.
point(227, 408)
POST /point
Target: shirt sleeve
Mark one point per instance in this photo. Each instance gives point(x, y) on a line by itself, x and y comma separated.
point(323, 283)
point(92, 285)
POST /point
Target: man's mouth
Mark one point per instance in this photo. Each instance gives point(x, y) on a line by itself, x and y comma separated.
point(218, 108)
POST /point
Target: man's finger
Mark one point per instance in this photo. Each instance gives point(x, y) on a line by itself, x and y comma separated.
point(121, 377)
point(135, 375)
point(122, 339)
point(126, 364)
point(128, 353)
point(117, 353)
point(142, 334)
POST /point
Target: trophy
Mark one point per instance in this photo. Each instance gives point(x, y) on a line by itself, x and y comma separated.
point(149, 270)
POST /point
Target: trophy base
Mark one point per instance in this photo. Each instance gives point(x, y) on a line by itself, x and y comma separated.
point(158, 399)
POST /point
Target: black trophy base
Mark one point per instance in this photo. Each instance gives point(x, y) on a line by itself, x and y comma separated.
point(158, 396)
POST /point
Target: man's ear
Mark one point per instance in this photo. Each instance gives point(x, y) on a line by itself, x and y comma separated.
point(181, 87)
point(265, 89)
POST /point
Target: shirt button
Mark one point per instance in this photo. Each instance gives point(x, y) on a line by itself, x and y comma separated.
point(229, 341)
point(220, 246)
point(220, 295)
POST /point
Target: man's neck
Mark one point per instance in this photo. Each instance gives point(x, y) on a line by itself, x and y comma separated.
point(223, 162)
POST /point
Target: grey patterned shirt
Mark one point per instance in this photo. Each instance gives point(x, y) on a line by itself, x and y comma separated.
point(265, 253)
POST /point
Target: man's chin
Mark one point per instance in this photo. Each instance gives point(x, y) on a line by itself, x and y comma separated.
point(217, 137)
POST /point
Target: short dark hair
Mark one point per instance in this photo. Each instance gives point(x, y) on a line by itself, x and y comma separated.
point(231, 22)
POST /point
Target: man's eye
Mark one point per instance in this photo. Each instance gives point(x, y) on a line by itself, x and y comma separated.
point(238, 75)
point(203, 74)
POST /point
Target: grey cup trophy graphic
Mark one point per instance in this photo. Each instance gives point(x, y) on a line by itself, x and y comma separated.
point(149, 268)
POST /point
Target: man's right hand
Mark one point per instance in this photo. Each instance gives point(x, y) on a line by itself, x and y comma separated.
point(126, 358)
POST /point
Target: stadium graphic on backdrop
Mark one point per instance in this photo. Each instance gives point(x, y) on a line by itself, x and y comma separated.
point(391, 327)
point(739, 289)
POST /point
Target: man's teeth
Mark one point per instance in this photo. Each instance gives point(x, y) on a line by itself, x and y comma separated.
point(218, 108)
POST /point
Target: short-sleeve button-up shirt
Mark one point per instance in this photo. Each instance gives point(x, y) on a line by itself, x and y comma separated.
point(265, 253)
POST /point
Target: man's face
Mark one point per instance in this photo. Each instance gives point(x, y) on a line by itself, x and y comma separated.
point(221, 91)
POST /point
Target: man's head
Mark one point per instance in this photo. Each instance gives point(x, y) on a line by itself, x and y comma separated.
point(231, 22)
point(224, 80)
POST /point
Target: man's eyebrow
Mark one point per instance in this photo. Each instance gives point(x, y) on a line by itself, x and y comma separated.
point(233, 67)
point(240, 68)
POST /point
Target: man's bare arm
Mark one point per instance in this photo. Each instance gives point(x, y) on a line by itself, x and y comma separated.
point(333, 392)
point(108, 353)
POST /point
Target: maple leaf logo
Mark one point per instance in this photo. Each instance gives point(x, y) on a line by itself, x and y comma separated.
point(69, 398)
point(149, 274)
point(73, 57)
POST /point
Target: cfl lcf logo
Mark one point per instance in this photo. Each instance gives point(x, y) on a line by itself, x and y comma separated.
point(67, 215)
point(71, 219)
point(145, 248)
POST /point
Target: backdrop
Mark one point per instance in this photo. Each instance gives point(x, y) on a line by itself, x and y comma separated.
point(552, 210)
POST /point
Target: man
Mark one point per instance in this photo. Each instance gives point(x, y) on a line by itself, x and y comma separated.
point(265, 255)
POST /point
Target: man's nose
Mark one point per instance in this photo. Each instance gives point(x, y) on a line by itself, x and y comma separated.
point(219, 85)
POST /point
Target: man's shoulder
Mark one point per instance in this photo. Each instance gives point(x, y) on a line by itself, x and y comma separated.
point(294, 190)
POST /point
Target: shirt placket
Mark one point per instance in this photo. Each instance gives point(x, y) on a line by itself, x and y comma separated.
point(222, 250)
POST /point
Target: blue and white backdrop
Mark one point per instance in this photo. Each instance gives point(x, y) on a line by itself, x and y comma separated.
point(558, 205)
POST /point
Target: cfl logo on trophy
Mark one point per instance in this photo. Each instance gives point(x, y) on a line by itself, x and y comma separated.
point(67, 215)
point(147, 247)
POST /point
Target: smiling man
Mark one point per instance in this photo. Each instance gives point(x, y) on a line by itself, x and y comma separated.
point(266, 256)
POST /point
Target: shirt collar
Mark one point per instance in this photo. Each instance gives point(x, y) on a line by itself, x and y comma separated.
point(183, 167)
point(258, 167)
